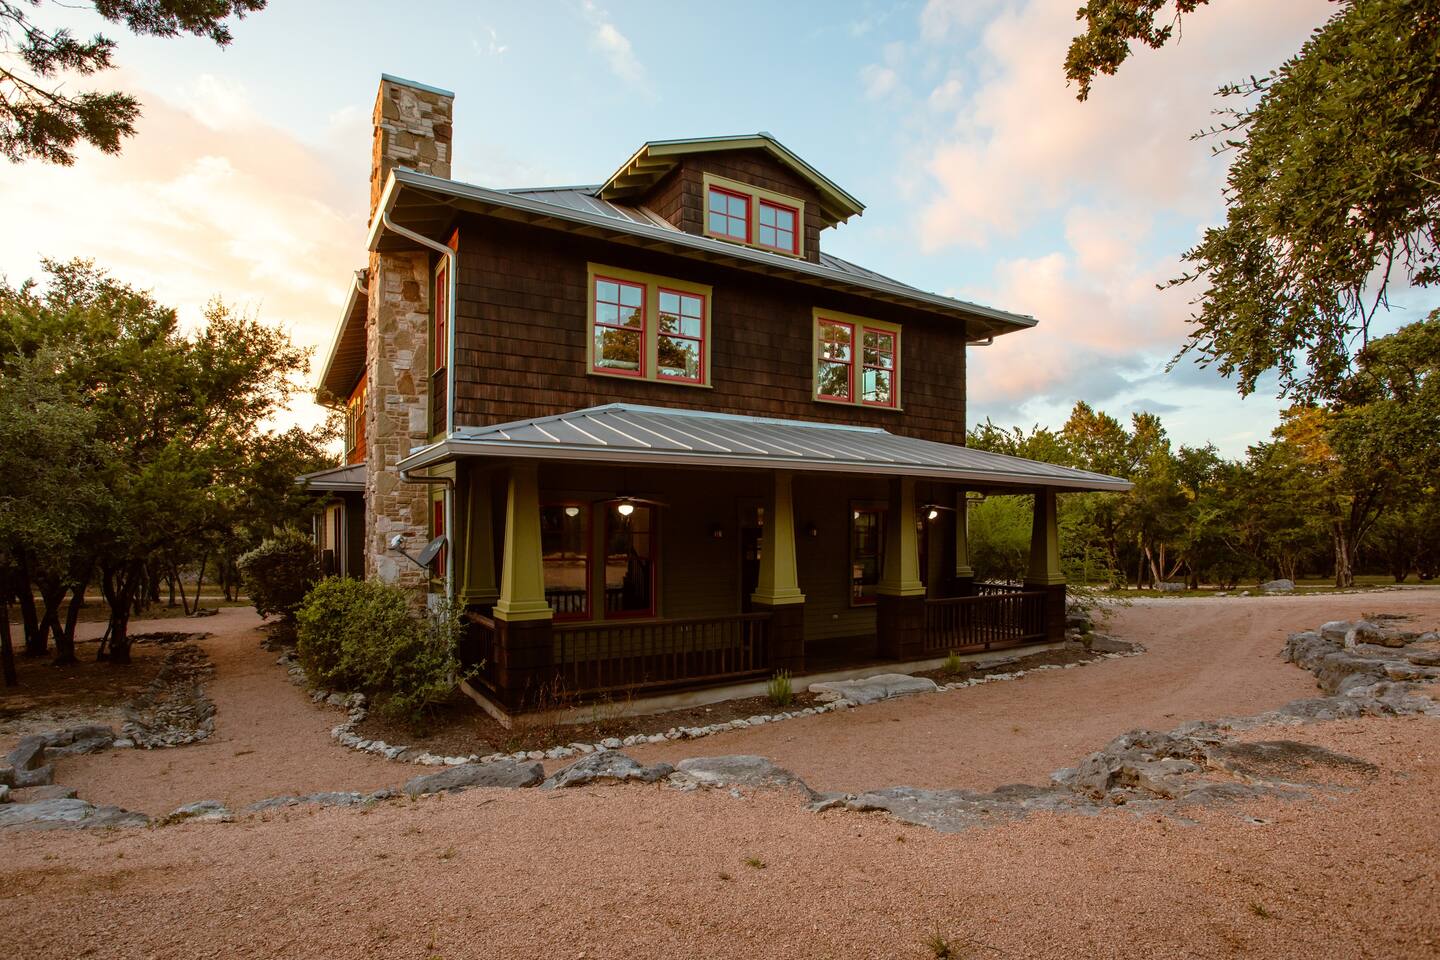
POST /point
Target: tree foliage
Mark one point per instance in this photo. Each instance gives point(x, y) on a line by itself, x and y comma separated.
point(39, 118)
point(1333, 193)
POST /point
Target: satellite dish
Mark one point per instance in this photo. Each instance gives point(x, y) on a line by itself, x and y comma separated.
point(431, 551)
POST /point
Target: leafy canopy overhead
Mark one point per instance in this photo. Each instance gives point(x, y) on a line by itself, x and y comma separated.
point(39, 119)
point(1333, 193)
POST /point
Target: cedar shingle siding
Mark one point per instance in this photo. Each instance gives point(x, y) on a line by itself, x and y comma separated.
point(521, 331)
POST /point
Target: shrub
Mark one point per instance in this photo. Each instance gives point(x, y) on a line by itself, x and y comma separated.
point(365, 635)
point(953, 664)
point(278, 573)
point(778, 689)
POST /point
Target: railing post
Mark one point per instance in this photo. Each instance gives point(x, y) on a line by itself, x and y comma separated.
point(963, 583)
point(1044, 574)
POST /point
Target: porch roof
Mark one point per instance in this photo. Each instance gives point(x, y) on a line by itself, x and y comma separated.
point(662, 436)
point(347, 479)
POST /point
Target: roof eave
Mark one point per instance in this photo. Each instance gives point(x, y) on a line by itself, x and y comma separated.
point(323, 394)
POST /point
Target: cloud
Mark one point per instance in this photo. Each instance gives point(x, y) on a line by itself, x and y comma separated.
point(878, 81)
point(204, 203)
point(614, 45)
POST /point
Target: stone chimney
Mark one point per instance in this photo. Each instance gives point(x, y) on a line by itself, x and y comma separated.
point(412, 129)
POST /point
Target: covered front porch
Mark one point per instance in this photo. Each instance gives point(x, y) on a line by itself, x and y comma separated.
point(617, 576)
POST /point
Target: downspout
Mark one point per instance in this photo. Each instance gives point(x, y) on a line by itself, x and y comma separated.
point(449, 255)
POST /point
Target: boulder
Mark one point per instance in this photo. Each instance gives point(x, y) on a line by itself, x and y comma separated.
point(870, 689)
point(950, 811)
point(49, 791)
point(1171, 586)
point(63, 814)
point(7, 775)
point(502, 773)
point(29, 753)
point(334, 798)
point(610, 767)
point(1278, 586)
point(1363, 631)
point(205, 811)
point(739, 770)
point(37, 777)
point(77, 734)
point(4, 793)
point(1335, 630)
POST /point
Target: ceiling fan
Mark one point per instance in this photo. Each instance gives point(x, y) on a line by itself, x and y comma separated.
point(626, 505)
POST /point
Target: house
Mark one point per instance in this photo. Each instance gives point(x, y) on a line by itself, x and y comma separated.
point(668, 439)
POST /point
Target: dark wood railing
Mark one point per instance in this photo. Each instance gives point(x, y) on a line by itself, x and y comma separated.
point(997, 617)
point(994, 589)
point(610, 656)
point(477, 648)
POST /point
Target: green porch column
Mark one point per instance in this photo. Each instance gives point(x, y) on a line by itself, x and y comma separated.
point(477, 584)
point(524, 642)
point(778, 589)
point(964, 584)
point(1044, 574)
point(900, 604)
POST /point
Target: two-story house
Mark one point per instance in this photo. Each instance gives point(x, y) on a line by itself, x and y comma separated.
point(668, 439)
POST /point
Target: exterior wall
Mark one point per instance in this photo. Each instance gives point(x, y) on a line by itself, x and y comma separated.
point(680, 196)
point(412, 129)
point(521, 332)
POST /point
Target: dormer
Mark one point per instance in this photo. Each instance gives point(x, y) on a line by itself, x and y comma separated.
point(750, 190)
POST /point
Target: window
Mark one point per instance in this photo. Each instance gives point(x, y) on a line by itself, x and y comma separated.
point(857, 360)
point(778, 227)
point(437, 527)
point(728, 214)
point(565, 555)
point(682, 335)
point(619, 327)
point(629, 560)
point(867, 552)
point(743, 213)
point(355, 424)
point(648, 327)
point(834, 372)
point(442, 315)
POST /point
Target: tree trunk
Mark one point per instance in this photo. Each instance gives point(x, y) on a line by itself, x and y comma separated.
point(184, 599)
point(200, 582)
point(7, 650)
point(36, 642)
point(65, 641)
point(170, 581)
point(1344, 561)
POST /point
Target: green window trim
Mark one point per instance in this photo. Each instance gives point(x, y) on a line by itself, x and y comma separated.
point(667, 329)
point(866, 351)
point(756, 199)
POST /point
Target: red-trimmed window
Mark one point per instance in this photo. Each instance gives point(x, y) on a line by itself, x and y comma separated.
point(879, 348)
point(437, 508)
point(728, 214)
point(867, 552)
point(619, 327)
point(565, 555)
point(835, 360)
point(681, 341)
point(442, 315)
point(629, 560)
point(779, 227)
point(355, 423)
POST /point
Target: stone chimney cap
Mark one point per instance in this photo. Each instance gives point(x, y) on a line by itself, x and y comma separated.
point(417, 85)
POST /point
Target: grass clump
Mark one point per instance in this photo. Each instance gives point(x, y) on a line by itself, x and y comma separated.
point(953, 664)
point(755, 863)
point(779, 690)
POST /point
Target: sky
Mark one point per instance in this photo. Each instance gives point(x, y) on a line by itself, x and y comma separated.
point(982, 176)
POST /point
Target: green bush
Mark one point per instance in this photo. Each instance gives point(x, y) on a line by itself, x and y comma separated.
point(778, 689)
point(365, 635)
point(278, 573)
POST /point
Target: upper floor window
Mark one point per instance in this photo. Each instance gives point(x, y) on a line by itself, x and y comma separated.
point(778, 227)
point(750, 215)
point(856, 360)
point(728, 214)
point(648, 327)
point(442, 315)
point(355, 424)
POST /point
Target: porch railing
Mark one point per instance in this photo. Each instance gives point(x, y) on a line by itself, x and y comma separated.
point(594, 658)
point(990, 588)
point(999, 617)
point(477, 648)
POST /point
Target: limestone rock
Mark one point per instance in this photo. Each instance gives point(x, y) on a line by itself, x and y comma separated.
point(871, 689)
point(609, 766)
point(1278, 586)
point(29, 753)
point(348, 798)
point(4, 793)
point(49, 791)
point(7, 775)
point(1286, 761)
point(207, 811)
point(739, 770)
point(1171, 586)
point(63, 814)
point(504, 773)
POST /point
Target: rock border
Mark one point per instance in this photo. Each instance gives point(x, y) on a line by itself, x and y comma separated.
point(1102, 647)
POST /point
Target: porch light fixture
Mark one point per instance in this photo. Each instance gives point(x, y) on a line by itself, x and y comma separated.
point(717, 531)
point(625, 509)
point(932, 514)
point(572, 511)
point(812, 531)
point(932, 510)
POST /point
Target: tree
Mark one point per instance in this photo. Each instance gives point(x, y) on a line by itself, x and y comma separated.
point(1333, 193)
point(39, 118)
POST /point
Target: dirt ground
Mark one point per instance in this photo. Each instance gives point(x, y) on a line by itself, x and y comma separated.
point(648, 871)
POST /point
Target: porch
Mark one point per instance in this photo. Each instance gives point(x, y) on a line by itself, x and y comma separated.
point(614, 580)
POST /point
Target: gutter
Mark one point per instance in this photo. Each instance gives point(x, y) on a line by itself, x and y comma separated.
point(449, 256)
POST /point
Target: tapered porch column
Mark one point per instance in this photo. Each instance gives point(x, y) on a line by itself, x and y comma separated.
point(778, 590)
point(524, 649)
point(477, 572)
point(900, 604)
point(964, 583)
point(1044, 573)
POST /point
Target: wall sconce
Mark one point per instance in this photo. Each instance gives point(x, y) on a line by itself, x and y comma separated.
point(812, 531)
point(717, 531)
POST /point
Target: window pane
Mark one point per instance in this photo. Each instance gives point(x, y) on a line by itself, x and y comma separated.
point(835, 351)
point(679, 358)
point(669, 323)
point(785, 219)
point(630, 296)
point(717, 201)
point(565, 557)
point(878, 385)
point(607, 313)
point(737, 207)
point(617, 349)
point(629, 570)
point(767, 237)
point(719, 223)
point(767, 214)
point(690, 326)
point(633, 317)
point(607, 291)
point(669, 302)
point(838, 332)
point(833, 380)
point(690, 306)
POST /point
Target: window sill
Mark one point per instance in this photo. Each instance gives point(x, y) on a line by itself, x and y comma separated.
point(658, 380)
point(852, 405)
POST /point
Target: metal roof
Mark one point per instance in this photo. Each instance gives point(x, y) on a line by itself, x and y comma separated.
point(347, 479)
point(427, 205)
point(661, 436)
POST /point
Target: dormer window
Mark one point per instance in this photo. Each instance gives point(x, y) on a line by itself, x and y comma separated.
point(758, 218)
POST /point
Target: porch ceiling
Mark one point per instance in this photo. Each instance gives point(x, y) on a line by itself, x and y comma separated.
point(660, 436)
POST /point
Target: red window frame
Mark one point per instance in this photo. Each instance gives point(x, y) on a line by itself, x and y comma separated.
point(704, 327)
point(820, 358)
point(794, 212)
point(587, 554)
point(596, 324)
point(438, 526)
point(654, 537)
point(894, 367)
point(442, 315)
point(726, 234)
